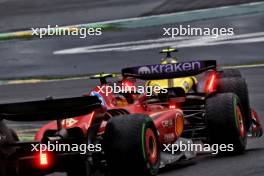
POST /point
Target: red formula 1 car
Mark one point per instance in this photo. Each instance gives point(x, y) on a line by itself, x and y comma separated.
point(136, 134)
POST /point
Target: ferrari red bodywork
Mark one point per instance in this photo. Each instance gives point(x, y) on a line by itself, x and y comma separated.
point(168, 121)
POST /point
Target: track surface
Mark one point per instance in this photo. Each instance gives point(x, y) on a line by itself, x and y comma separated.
point(24, 14)
point(36, 58)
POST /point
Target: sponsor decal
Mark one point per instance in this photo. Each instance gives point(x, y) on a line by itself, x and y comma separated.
point(69, 122)
point(169, 137)
point(167, 123)
point(169, 68)
point(144, 70)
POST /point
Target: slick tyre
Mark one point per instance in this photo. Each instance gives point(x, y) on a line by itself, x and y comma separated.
point(226, 122)
point(7, 136)
point(227, 73)
point(80, 168)
point(131, 146)
point(237, 86)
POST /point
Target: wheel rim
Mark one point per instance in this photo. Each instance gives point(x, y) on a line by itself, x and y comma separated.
point(240, 122)
point(151, 147)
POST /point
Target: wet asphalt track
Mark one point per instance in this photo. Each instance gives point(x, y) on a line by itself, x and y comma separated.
point(24, 14)
point(36, 58)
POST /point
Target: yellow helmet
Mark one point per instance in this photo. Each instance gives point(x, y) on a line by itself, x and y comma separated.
point(168, 59)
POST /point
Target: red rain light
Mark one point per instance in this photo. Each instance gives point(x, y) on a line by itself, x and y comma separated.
point(210, 86)
point(43, 159)
point(172, 106)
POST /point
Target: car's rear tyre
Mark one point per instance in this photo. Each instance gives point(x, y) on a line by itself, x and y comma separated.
point(227, 73)
point(237, 86)
point(80, 168)
point(131, 145)
point(7, 165)
point(226, 122)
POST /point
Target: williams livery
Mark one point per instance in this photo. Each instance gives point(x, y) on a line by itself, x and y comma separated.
point(204, 104)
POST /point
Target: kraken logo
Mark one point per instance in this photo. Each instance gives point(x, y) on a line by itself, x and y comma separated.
point(144, 70)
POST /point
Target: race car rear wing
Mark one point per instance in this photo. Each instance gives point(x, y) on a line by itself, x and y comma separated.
point(52, 109)
point(167, 71)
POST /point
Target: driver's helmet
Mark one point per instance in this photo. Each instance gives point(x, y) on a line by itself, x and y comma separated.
point(170, 60)
point(129, 89)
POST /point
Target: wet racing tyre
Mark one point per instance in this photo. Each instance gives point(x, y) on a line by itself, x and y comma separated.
point(80, 168)
point(227, 73)
point(226, 122)
point(7, 166)
point(237, 86)
point(131, 146)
